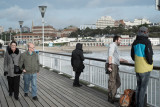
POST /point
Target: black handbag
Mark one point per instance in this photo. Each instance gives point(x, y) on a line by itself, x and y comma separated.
point(106, 69)
point(17, 69)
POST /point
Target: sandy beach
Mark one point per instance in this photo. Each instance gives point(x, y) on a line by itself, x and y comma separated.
point(62, 49)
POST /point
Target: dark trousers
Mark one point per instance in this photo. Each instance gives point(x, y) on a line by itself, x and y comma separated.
point(13, 85)
point(76, 80)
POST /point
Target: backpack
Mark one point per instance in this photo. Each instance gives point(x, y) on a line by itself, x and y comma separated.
point(127, 99)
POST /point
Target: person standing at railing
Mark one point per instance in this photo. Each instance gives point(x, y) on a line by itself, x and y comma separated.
point(142, 54)
point(77, 59)
point(31, 68)
point(113, 61)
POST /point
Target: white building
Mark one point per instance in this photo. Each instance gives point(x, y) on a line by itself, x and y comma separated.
point(91, 26)
point(126, 40)
point(1, 29)
point(137, 22)
point(64, 40)
point(155, 41)
point(105, 21)
point(141, 21)
point(1, 41)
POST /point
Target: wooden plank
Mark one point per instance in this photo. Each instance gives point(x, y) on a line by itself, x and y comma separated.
point(29, 100)
point(104, 101)
point(64, 95)
point(72, 95)
point(55, 96)
point(21, 98)
point(42, 99)
point(11, 100)
point(2, 97)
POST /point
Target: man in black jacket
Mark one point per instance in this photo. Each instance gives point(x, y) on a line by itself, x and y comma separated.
point(77, 59)
point(142, 54)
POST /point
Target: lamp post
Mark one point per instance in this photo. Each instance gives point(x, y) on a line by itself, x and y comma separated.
point(10, 29)
point(21, 23)
point(42, 10)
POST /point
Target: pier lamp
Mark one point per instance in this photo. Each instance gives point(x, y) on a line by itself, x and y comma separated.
point(10, 29)
point(21, 23)
point(42, 10)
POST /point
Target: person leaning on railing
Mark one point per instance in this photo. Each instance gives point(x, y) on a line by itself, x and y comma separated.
point(142, 54)
point(77, 59)
point(113, 62)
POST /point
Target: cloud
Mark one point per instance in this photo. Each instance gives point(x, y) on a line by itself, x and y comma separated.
point(62, 13)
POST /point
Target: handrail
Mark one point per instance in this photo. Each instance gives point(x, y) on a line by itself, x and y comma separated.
point(97, 59)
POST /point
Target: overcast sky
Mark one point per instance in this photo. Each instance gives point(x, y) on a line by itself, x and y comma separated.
point(62, 13)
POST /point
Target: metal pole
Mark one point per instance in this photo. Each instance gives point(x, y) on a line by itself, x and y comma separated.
point(43, 31)
point(20, 36)
point(60, 65)
point(10, 36)
point(159, 87)
point(90, 76)
point(43, 38)
point(5, 39)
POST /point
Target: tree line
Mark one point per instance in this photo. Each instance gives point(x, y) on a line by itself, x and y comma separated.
point(154, 31)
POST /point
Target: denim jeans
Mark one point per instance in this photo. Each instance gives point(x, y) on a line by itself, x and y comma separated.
point(142, 82)
point(33, 79)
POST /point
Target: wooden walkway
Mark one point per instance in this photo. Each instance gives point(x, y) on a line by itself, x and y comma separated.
point(53, 91)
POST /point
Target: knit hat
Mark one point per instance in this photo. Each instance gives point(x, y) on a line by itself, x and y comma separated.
point(143, 31)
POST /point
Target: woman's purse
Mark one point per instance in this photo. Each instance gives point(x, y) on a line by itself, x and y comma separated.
point(17, 69)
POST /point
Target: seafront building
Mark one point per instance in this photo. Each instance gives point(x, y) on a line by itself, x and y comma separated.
point(105, 21)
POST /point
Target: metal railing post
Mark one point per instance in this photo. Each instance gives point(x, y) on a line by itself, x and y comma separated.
point(73, 75)
point(90, 76)
point(51, 68)
point(159, 88)
point(43, 60)
point(60, 72)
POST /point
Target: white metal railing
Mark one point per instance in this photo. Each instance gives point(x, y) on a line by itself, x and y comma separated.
point(94, 74)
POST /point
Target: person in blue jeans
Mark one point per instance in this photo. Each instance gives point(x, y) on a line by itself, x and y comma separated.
point(31, 68)
point(142, 54)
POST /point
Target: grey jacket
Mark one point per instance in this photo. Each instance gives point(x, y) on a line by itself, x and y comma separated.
point(8, 62)
point(31, 62)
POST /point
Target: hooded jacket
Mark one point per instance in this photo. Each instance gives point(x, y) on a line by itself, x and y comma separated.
point(77, 58)
point(8, 61)
point(142, 54)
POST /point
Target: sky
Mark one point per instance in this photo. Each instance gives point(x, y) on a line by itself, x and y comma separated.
point(63, 13)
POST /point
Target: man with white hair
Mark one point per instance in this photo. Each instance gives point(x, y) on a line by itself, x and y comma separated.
point(31, 67)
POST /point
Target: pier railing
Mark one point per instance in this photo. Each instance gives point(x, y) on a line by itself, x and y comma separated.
point(94, 74)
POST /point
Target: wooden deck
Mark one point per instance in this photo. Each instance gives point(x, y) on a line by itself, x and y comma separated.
point(53, 91)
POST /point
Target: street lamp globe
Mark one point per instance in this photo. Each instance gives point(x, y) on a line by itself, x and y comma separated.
point(20, 23)
point(42, 10)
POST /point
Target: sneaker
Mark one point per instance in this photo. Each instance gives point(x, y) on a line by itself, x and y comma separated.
point(35, 98)
point(26, 94)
